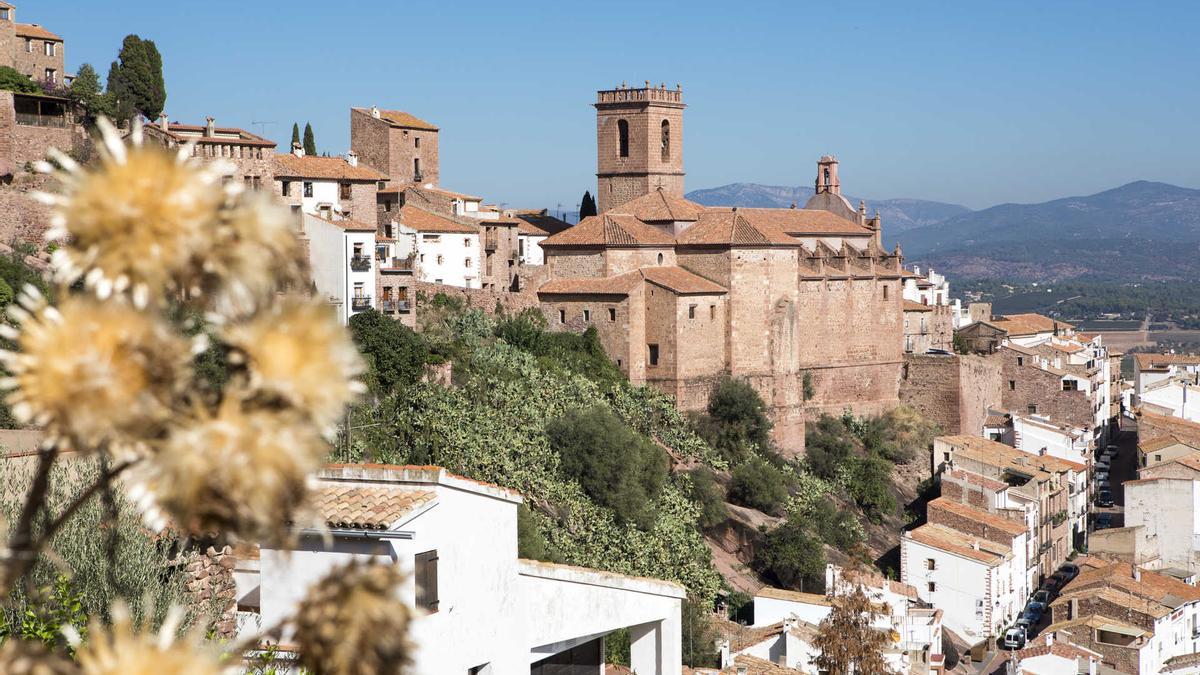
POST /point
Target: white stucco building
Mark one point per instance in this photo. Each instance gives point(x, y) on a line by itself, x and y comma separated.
point(340, 254)
point(1150, 369)
point(480, 609)
point(446, 251)
point(331, 187)
point(529, 243)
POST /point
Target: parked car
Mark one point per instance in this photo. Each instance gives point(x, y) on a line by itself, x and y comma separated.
point(1102, 465)
point(1025, 624)
point(1113, 448)
point(1042, 596)
point(1051, 585)
point(1101, 476)
point(1105, 498)
point(1103, 486)
point(1103, 521)
point(1069, 571)
point(1034, 611)
point(1014, 638)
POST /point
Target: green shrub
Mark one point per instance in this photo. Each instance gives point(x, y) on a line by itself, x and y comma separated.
point(16, 81)
point(531, 543)
point(836, 527)
point(791, 558)
point(707, 492)
point(828, 444)
point(616, 466)
point(871, 486)
point(580, 353)
point(758, 485)
point(395, 354)
point(739, 420)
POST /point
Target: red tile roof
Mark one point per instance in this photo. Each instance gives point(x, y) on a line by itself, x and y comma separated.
point(346, 224)
point(332, 168)
point(680, 281)
point(449, 193)
point(525, 227)
point(401, 119)
point(424, 221)
point(658, 206)
point(195, 133)
point(959, 543)
point(33, 30)
point(910, 306)
point(979, 516)
point(611, 230)
point(733, 228)
point(799, 222)
point(1161, 361)
point(1029, 324)
point(366, 508)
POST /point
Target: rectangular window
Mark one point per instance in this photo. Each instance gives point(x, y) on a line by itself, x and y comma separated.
point(653, 349)
point(28, 46)
point(930, 564)
point(562, 316)
point(1020, 360)
point(932, 587)
point(587, 315)
point(416, 141)
point(885, 292)
point(691, 311)
point(48, 50)
point(425, 571)
point(51, 75)
point(343, 191)
point(612, 314)
point(712, 312)
point(1012, 385)
point(1070, 385)
point(308, 190)
point(286, 188)
point(3, 14)
point(1032, 408)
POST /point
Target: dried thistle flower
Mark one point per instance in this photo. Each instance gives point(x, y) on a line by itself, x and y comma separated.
point(136, 220)
point(93, 371)
point(242, 473)
point(22, 657)
point(122, 649)
point(352, 622)
point(296, 352)
point(256, 253)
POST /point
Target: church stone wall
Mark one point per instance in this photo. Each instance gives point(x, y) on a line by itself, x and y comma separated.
point(953, 391)
point(575, 264)
point(622, 260)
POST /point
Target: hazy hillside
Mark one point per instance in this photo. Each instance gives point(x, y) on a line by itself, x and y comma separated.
point(898, 215)
point(1142, 230)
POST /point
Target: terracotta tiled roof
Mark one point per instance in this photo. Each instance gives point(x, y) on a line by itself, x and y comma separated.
point(367, 508)
point(525, 227)
point(874, 580)
point(800, 222)
point(997, 454)
point(733, 228)
point(33, 30)
point(1160, 588)
point(399, 118)
point(976, 479)
point(1181, 662)
point(1161, 361)
point(345, 224)
point(793, 596)
point(1097, 621)
point(618, 285)
point(753, 636)
point(1058, 648)
point(910, 306)
point(1029, 324)
point(611, 230)
point(184, 133)
point(1067, 349)
point(994, 420)
point(449, 193)
point(544, 222)
point(680, 281)
point(424, 221)
point(333, 168)
point(658, 206)
point(960, 543)
point(1160, 442)
point(1009, 527)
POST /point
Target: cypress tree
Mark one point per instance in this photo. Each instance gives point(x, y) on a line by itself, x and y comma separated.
point(587, 206)
point(136, 78)
point(117, 93)
point(295, 135)
point(310, 143)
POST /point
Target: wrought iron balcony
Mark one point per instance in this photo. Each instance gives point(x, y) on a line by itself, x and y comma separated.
point(360, 302)
point(360, 263)
point(388, 306)
point(397, 264)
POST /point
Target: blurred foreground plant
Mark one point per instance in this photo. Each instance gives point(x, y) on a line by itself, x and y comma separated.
point(159, 259)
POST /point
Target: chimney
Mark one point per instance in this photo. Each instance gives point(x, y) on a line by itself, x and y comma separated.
point(1137, 573)
point(210, 128)
point(375, 112)
point(163, 122)
point(1093, 666)
point(1049, 639)
point(723, 651)
point(297, 149)
point(352, 158)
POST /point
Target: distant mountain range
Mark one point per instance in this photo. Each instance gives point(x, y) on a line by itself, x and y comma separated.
point(898, 215)
point(1140, 231)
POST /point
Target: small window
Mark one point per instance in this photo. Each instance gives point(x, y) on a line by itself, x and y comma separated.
point(1020, 360)
point(691, 311)
point(612, 314)
point(1032, 409)
point(1070, 385)
point(945, 457)
point(417, 168)
point(932, 587)
point(343, 191)
point(28, 46)
point(387, 205)
point(653, 349)
point(660, 258)
point(587, 315)
point(930, 564)
point(666, 141)
point(622, 138)
point(562, 316)
point(49, 49)
point(416, 141)
point(1012, 385)
point(51, 75)
point(885, 292)
point(422, 257)
point(467, 242)
point(425, 570)
point(440, 259)
point(712, 312)
point(468, 262)
point(3, 14)
point(308, 188)
point(286, 188)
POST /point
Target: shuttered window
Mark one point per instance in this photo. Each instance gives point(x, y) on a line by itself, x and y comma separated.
point(426, 572)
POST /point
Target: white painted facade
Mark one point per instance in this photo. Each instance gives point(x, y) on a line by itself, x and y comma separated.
point(340, 257)
point(1039, 436)
point(979, 598)
point(494, 613)
point(529, 248)
point(1168, 511)
point(1177, 397)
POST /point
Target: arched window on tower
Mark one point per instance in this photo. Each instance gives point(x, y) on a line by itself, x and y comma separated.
point(623, 138)
point(666, 141)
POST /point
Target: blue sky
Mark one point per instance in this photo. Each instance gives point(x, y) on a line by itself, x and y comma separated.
point(970, 102)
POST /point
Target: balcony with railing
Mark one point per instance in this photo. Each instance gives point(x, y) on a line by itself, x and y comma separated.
point(40, 111)
point(360, 263)
point(360, 303)
point(403, 265)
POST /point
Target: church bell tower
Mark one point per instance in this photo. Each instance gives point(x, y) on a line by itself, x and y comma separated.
point(639, 143)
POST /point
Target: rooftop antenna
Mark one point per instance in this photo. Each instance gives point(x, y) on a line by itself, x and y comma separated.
point(261, 127)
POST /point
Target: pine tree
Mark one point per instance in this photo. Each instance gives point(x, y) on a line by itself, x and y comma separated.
point(310, 143)
point(138, 83)
point(85, 91)
point(587, 207)
point(847, 640)
point(295, 135)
